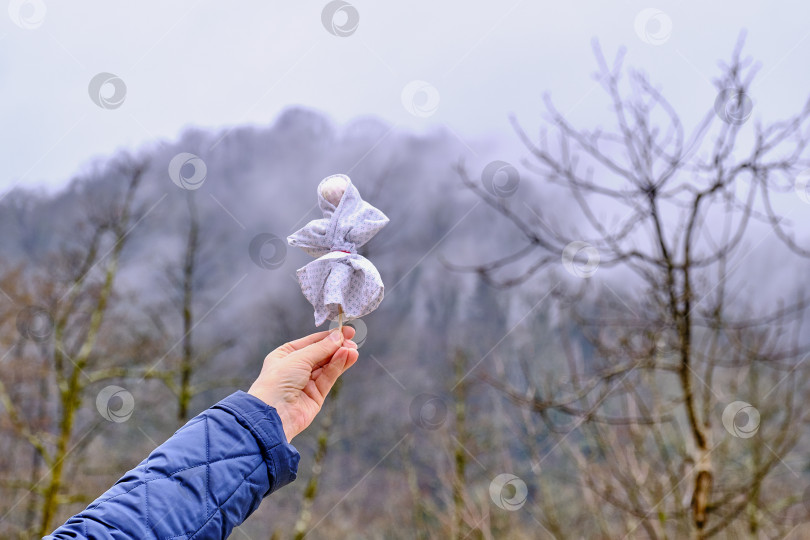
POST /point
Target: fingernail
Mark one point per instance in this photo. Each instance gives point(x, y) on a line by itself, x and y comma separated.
point(336, 336)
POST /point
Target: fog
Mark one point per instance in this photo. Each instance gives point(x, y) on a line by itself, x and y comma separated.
point(571, 321)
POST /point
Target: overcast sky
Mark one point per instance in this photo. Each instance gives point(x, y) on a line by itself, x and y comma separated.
point(217, 64)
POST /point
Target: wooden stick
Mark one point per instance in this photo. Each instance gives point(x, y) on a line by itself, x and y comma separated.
point(340, 318)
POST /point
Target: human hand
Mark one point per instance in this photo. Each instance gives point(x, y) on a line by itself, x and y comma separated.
point(297, 376)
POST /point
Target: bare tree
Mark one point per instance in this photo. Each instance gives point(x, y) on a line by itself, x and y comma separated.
point(311, 489)
point(189, 284)
point(184, 393)
point(67, 304)
point(645, 400)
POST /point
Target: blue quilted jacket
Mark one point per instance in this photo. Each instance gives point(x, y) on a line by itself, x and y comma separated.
point(201, 483)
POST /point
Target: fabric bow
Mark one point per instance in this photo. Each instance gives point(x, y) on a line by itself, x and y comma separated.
point(340, 277)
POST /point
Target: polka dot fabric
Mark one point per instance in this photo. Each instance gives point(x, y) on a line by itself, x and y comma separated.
point(336, 278)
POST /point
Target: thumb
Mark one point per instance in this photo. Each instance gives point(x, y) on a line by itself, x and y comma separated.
point(321, 351)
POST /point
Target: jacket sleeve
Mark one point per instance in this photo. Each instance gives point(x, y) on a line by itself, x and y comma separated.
point(202, 482)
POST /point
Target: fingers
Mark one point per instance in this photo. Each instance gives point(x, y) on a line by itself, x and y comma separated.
point(319, 352)
point(331, 371)
point(348, 331)
point(353, 356)
point(298, 344)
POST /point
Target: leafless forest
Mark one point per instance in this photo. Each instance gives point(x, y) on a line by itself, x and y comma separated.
point(607, 339)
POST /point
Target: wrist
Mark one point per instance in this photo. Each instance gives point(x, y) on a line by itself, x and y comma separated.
point(286, 421)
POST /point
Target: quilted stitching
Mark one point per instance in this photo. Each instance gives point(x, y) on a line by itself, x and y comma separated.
point(239, 429)
point(226, 500)
point(207, 464)
point(178, 471)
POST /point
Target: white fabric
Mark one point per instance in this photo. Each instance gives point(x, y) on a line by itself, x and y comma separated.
point(341, 279)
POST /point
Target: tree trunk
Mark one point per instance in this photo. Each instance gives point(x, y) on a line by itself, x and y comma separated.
point(311, 491)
